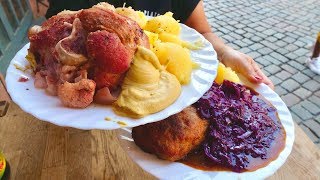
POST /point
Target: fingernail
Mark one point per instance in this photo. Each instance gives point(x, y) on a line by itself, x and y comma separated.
point(258, 77)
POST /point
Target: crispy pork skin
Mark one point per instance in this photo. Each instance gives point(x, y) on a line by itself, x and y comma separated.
point(173, 138)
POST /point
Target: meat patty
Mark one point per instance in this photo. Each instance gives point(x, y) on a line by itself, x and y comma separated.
point(173, 138)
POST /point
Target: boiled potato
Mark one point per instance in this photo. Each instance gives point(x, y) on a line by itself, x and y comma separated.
point(153, 37)
point(137, 16)
point(164, 23)
point(226, 73)
point(167, 37)
point(176, 59)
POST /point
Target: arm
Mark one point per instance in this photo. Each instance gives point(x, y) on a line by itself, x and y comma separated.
point(238, 61)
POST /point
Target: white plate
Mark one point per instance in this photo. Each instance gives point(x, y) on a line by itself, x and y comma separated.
point(173, 170)
point(49, 108)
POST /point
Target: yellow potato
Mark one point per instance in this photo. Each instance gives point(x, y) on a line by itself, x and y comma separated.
point(167, 37)
point(153, 37)
point(176, 59)
point(164, 23)
point(226, 73)
point(137, 16)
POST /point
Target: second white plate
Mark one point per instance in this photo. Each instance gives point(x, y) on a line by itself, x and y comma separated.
point(173, 170)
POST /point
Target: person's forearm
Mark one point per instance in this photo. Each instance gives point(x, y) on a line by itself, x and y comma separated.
point(217, 43)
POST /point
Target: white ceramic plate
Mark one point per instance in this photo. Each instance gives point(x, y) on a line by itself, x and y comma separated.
point(173, 170)
point(49, 108)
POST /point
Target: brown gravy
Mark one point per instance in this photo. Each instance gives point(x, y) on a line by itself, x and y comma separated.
point(197, 159)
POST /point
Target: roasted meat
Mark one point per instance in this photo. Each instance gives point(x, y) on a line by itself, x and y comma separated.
point(173, 138)
point(92, 47)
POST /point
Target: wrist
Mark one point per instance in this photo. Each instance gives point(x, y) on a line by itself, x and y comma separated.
point(223, 51)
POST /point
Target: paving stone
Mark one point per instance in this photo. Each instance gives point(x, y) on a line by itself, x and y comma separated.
point(240, 43)
point(302, 93)
point(269, 32)
point(288, 39)
point(290, 99)
point(235, 36)
point(313, 126)
point(272, 39)
point(272, 60)
point(296, 65)
point(263, 36)
point(301, 112)
point(279, 35)
point(256, 46)
point(259, 28)
point(296, 118)
point(311, 107)
point(291, 55)
point(224, 30)
point(301, 52)
point(247, 41)
point(283, 75)
point(240, 31)
point(309, 73)
point(279, 57)
point(248, 35)
point(269, 44)
point(315, 99)
point(245, 50)
point(281, 43)
point(255, 38)
point(290, 85)
point(299, 43)
point(310, 134)
point(254, 54)
point(282, 51)
point(312, 85)
point(265, 50)
point(291, 47)
point(289, 68)
point(275, 80)
point(262, 61)
point(280, 91)
point(227, 38)
point(273, 69)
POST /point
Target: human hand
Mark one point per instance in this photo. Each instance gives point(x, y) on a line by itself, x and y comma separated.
point(245, 65)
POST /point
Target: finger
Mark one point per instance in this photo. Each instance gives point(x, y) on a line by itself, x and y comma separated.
point(252, 71)
point(265, 79)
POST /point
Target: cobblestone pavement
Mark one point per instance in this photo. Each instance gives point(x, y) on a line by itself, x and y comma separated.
point(279, 35)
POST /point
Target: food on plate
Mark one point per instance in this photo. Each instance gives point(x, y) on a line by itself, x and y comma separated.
point(243, 131)
point(163, 23)
point(147, 87)
point(173, 138)
point(137, 16)
point(176, 59)
point(87, 56)
point(226, 73)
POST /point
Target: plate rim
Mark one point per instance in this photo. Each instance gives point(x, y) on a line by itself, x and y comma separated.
point(260, 173)
point(10, 85)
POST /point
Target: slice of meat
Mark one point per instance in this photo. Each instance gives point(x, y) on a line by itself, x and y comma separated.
point(107, 52)
point(77, 95)
point(172, 138)
point(105, 79)
point(72, 49)
point(129, 32)
point(104, 96)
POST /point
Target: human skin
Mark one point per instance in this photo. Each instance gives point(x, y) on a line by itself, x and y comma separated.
point(236, 60)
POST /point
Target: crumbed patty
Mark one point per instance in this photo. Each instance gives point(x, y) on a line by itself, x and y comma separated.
point(173, 138)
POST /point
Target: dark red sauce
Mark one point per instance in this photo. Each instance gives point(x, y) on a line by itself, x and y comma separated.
point(244, 134)
point(23, 79)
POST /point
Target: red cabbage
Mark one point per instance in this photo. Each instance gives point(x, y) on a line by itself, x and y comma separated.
point(241, 125)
